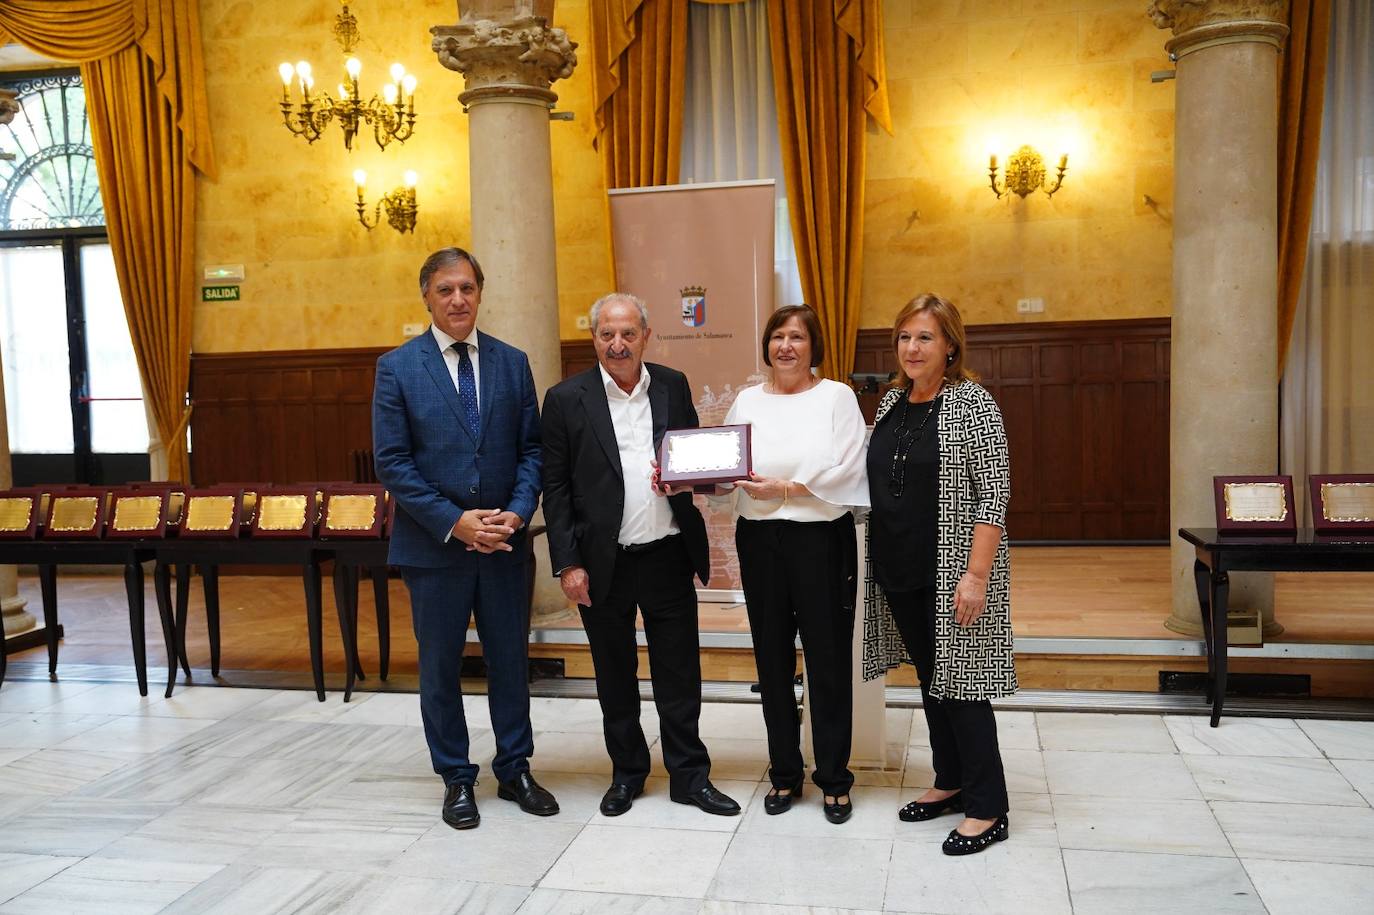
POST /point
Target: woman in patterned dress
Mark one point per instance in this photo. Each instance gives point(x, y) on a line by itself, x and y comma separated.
point(939, 481)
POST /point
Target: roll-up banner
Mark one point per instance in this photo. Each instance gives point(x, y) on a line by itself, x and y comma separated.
point(701, 257)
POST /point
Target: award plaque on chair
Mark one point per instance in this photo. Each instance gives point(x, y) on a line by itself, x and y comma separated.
point(76, 514)
point(19, 511)
point(211, 514)
point(1342, 503)
point(353, 511)
point(138, 514)
point(286, 512)
point(704, 457)
point(1255, 505)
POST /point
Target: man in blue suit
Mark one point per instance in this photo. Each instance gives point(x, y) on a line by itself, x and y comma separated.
point(455, 431)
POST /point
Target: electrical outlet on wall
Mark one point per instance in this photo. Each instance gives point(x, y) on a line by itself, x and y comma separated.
point(1030, 306)
point(413, 329)
point(584, 323)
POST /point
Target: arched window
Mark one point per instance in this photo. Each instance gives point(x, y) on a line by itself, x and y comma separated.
point(51, 182)
point(72, 392)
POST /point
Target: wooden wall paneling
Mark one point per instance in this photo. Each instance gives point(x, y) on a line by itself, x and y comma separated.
point(1086, 407)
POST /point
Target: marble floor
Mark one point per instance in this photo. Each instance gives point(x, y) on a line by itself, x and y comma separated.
point(261, 801)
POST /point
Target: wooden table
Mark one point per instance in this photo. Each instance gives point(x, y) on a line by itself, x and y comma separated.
point(131, 554)
point(1218, 556)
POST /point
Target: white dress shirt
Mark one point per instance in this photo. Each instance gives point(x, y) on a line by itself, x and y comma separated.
point(817, 438)
point(451, 358)
point(646, 516)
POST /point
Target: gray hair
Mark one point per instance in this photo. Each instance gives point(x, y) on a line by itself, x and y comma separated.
point(610, 297)
point(447, 257)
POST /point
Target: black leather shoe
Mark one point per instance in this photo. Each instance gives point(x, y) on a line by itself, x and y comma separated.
point(525, 791)
point(709, 800)
point(775, 803)
point(460, 806)
point(618, 799)
point(917, 811)
point(839, 812)
point(959, 844)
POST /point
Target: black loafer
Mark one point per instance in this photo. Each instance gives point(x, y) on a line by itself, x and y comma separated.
point(959, 844)
point(618, 799)
point(525, 791)
point(709, 800)
point(839, 812)
point(460, 806)
point(775, 803)
point(917, 811)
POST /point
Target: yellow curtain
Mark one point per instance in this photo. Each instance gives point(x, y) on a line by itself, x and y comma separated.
point(828, 77)
point(1302, 87)
point(142, 66)
point(639, 58)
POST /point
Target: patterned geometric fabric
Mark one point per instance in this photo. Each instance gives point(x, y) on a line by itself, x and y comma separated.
point(467, 389)
point(971, 662)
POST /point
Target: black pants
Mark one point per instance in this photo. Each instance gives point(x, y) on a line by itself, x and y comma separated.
point(799, 576)
point(659, 582)
point(963, 733)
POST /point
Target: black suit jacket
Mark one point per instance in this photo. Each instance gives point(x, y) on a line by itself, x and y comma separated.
point(584, 489)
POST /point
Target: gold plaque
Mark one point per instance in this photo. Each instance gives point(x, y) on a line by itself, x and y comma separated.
point(1256, 502)
point(210, 513)
point(15, 513)
point(74, 513)
point(351, 513)
point(281, 513)
point(1347, 502)
point(137, 513)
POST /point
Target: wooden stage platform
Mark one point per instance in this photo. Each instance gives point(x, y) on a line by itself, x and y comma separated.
point(1090, 618)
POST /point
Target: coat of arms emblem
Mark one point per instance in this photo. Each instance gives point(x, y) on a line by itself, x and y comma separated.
point(694, 306)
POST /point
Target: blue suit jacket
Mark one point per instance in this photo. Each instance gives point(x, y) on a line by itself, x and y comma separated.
point(433, 466)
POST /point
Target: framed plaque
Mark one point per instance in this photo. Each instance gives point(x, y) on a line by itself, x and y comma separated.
point(357, 511)
point(212, 514)
point(706, 456)
point(76, 514)
point(138, 514)
point(19, 512)
point(1342, 503)
point(284, 512)
point(1251, 505)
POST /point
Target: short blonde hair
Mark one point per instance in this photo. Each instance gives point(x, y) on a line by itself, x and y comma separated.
point(951, 325)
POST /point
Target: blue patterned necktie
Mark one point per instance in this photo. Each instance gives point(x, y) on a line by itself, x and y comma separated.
point(467, 389)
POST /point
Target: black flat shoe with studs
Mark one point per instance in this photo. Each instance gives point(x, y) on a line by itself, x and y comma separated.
point(918, 811)
point(959, 844)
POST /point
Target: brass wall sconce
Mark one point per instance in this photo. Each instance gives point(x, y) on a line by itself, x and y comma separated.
point(400, 204)
point(1025, 173)
point(392, 117)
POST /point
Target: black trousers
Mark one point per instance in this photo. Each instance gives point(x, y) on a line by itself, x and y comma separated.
point(963, 733)
point(799, 577)
point(659, 582)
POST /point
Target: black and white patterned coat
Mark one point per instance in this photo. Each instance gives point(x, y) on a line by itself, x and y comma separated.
point(971, 662)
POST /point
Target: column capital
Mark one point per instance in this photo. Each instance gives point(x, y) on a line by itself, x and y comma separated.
point(513, 60)
point(1199, 24)
point(9, 106)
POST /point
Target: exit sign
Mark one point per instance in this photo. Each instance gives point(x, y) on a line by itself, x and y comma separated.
point(219, 293)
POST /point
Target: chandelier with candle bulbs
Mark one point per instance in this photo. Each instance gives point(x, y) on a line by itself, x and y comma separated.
point(391, 116)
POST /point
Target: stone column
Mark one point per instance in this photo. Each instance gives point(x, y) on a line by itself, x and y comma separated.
point(509, 56)
point(1224, 379)
point(16, 619)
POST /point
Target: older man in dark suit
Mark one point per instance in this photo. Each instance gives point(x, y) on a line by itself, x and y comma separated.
point(617, 543)
point(455, 429)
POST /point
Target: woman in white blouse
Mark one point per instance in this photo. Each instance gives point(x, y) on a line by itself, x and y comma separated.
point(797, 553)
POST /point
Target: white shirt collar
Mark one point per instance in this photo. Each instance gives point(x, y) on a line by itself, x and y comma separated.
point(445, 341)
point(614, 390)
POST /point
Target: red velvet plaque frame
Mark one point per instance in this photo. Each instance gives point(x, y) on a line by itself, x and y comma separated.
point(1342, 503)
